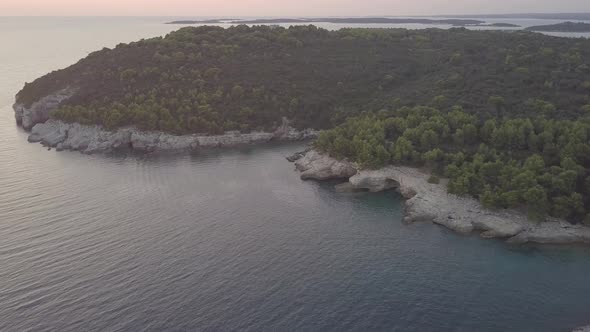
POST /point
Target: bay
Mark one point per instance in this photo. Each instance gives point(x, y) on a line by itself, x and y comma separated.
point(233, 239)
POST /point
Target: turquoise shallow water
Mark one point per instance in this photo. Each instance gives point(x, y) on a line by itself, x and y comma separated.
point(233, 240)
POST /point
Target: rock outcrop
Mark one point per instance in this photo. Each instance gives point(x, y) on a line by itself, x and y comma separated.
point(297, 155)
point(372, 182)
point(432, 203)
point(95, 139)
point(321, 167)
point(38, 112)
point(553, 233)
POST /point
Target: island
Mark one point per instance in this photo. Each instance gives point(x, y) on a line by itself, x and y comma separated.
point(499, 25)
point(539, 16)
point(481, 130)
point(341, 20)
point(562, 27)
point(209, 80)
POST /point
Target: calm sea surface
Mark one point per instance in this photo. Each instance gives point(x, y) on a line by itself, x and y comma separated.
point(233, 240)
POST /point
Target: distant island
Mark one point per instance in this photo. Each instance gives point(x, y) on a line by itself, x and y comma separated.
point(351, 20)
point(499, 25)
point(539, 16)
point(562, 27)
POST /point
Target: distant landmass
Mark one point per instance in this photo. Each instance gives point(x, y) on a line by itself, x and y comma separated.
point(541, 16)
point(354, 20)
point(562, 27)
point(500, 25)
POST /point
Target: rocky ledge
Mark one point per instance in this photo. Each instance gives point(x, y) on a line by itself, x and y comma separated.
point(431, 203)
point(314, 165)
point(95, 139)
point(38, 112)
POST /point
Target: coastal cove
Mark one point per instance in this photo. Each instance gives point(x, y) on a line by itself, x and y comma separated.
point(241, 221)
point(427, 202)
point(232, 238)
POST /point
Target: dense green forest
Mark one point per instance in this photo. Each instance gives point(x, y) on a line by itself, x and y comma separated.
point(209, 79)
point(538, 164)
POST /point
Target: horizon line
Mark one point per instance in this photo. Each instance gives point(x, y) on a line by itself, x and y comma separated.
point(316, 16)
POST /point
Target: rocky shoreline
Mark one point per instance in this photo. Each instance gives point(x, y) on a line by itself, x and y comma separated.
point(95, 139)
point(38, 112)
point(426, 202)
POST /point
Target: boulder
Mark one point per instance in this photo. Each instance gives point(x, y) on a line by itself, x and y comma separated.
point(415, 212)
point(80, 137)
point(372, 181)
point(297, 155)
point(496, 227)
point(322, 167)
point(294, 157)
point(459, 224)
point(50, 133)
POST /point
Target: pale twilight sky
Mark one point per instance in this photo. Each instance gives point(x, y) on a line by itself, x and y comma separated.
point(282, 7)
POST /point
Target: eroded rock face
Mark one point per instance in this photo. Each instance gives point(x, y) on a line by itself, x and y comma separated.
point(50, 133)
point(554, 233)
point(38, 112)
point(95, 139)
point(426, 202)
point(322, 167)
point(234, 138)
point(373, 182)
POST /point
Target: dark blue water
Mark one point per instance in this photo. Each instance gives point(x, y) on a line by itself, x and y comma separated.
point(234, 240)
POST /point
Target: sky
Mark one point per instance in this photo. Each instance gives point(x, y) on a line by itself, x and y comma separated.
point(283, 7)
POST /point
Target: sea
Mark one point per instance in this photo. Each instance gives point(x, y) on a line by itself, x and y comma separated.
point(233, 240)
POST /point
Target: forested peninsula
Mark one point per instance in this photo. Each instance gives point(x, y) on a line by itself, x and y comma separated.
point(504, 116)
point(211, 80)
